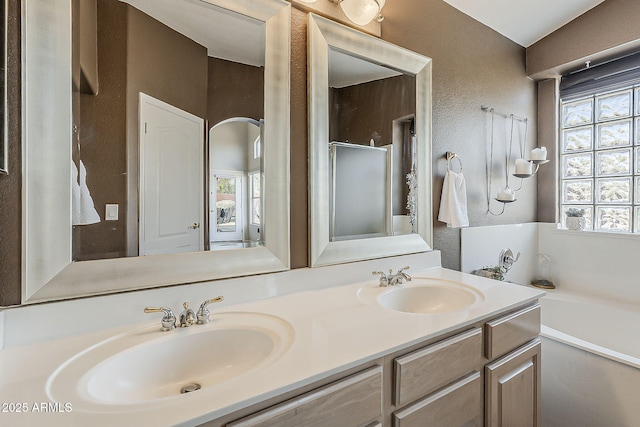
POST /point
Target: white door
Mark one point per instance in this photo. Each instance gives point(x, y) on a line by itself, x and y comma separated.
point(227, 208)
point(171, 179)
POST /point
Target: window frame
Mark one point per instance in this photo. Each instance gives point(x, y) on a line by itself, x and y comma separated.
point(253, 198)
point(596, 150)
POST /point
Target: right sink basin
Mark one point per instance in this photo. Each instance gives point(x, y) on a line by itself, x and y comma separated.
point(422, 296)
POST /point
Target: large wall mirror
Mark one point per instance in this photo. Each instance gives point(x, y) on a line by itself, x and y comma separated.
point(370, 146)
point(156, 143)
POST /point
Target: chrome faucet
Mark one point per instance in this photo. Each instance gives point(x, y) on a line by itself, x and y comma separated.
point(203, 311)
point(168, 320)
point(393, 279)
point(187, 317)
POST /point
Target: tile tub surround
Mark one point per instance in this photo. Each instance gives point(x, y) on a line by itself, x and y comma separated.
point(322, 345)
point(481, 246)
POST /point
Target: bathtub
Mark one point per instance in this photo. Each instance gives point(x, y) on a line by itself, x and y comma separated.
point(590, 362)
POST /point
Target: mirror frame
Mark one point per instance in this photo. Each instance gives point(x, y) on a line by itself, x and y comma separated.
point(48, 272)
point(323, 35)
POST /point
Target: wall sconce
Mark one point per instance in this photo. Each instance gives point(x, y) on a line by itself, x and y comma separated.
point(361, 12)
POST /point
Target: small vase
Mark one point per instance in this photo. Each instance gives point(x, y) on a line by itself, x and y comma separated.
point(576, 222)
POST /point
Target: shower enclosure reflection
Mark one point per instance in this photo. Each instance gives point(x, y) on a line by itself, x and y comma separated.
point(372, 126)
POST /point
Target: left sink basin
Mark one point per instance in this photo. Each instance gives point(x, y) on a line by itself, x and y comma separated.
point(145, 365)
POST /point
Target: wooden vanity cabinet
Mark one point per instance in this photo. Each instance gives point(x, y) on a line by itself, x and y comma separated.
point(472, 378)
point(485, 374)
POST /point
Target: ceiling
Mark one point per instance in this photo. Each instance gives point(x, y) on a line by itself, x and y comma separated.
point(225, 34)
point(524, 21)
point(348, 70)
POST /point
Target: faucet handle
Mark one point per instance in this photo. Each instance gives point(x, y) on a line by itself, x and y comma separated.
point(203, 311)
point(402, 273)
point(168, 320)
point(384, 279)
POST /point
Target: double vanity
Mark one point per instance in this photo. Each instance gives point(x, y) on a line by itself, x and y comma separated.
point(444, 346)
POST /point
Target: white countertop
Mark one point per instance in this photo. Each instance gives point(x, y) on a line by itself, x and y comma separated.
point(333, 330)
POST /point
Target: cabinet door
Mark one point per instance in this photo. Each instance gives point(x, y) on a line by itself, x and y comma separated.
point(350, 402)
point(513, 388)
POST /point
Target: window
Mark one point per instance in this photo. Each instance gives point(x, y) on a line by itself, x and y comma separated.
point(254, 192)
point(600, 158)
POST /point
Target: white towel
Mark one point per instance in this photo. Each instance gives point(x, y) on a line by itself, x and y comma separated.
point(82, 207)
point(453, 203)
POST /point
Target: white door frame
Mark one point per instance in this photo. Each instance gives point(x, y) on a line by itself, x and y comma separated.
point(239, 234)
point(144, 102)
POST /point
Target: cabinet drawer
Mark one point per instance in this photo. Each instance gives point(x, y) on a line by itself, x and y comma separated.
point(423, 371)
point(352, 401)
point(459, 404)
point(511, 331)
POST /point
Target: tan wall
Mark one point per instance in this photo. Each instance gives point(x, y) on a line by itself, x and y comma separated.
point(11, 185)
point(234, 90)
point(606, 31)
point(102, 124)
point(366, 111)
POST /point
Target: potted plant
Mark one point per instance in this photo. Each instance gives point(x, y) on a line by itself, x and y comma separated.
point(575, 219)
point(494, 272)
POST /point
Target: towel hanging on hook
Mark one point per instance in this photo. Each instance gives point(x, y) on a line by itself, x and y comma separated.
point(450, 156)
point(453, 201)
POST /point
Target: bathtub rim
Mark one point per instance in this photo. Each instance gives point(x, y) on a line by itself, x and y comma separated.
point(559, 336)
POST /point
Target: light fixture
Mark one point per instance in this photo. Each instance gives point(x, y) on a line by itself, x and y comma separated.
point(362, 12)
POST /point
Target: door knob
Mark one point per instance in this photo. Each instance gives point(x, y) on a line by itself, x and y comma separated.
point(194, 226)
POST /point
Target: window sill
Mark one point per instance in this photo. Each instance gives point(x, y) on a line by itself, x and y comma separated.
point(596, 234)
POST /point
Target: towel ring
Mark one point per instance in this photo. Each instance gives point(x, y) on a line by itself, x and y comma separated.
point(450, 156)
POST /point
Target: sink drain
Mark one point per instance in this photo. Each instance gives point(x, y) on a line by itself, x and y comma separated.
point(190, 387)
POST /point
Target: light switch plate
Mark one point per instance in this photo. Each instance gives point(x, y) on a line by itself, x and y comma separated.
point(111, 212)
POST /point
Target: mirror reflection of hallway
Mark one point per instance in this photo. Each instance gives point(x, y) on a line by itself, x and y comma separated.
point(235, 178)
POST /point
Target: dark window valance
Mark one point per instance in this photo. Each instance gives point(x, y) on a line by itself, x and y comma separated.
point(607, 76)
